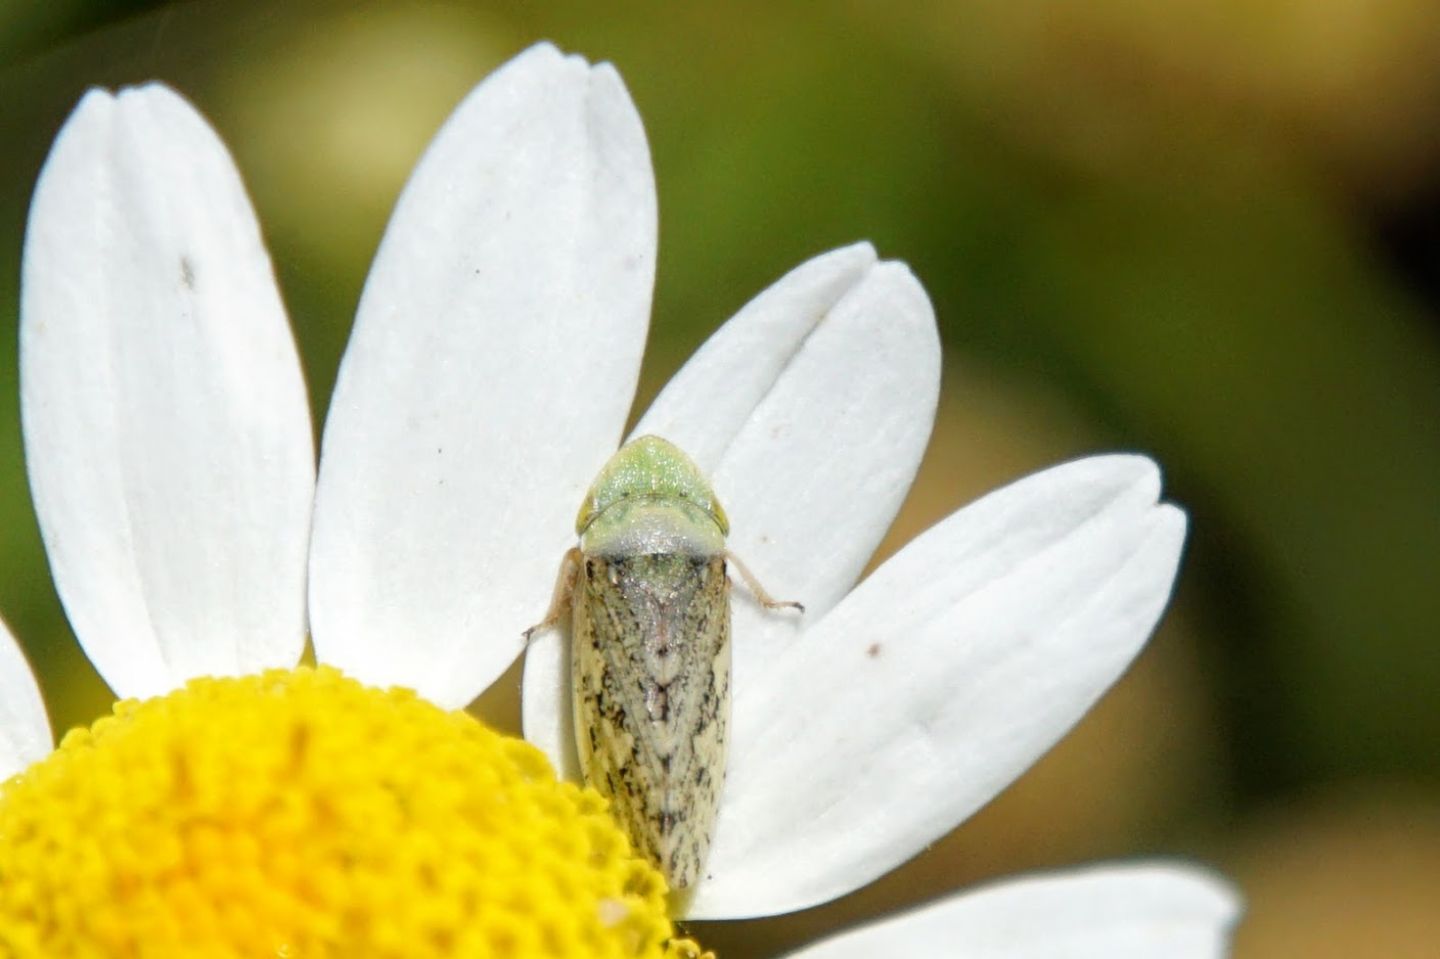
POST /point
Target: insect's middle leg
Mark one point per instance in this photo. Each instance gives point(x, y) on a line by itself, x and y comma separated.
point(564, 587)
point(766, 600)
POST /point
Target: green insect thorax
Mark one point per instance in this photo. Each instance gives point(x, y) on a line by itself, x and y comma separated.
point(651, 497)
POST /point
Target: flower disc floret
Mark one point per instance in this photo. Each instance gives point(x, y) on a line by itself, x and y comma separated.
point(297, 813)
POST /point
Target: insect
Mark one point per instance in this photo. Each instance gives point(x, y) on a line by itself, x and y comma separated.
point(649, 596)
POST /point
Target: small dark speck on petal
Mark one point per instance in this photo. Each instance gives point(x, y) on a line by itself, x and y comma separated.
point(187, 273)
point(873, 650)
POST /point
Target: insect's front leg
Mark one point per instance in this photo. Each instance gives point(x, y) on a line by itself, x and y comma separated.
point(759, 592)
point(564, 588)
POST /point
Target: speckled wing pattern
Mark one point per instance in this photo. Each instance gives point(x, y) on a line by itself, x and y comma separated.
point(650, 661)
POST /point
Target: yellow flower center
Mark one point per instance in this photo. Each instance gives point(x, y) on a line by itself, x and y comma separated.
point(298, 814)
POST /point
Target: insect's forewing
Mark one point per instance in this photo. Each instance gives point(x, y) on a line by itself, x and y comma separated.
point(651, 668)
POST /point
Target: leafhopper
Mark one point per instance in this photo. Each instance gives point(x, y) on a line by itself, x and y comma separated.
point(649, 596)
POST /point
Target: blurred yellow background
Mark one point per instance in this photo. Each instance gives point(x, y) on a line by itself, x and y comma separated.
point(1205, 230)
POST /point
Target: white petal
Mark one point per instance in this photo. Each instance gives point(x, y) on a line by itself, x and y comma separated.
point(167, 431)
point(24, 728)
point(937, 682)
point(706, 405)
point(838, 403)
point(811, 408)
point(489, 375)
point(1111, 912)
point(545, 701)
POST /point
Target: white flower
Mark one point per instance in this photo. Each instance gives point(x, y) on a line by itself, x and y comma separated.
point(490, 373)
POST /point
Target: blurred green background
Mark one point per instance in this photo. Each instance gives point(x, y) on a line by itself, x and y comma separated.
point(1206, 230)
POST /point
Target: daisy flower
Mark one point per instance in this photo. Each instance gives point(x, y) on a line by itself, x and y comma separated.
point(237, 804)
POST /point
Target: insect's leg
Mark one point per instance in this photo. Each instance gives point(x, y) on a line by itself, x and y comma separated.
point(564, 586)
point(766, 600)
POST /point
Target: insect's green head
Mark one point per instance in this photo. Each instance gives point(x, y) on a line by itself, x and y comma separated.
point(649, 468)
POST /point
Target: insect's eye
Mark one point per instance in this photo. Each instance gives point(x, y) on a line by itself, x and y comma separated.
point(585, 515)
point(718, 511)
